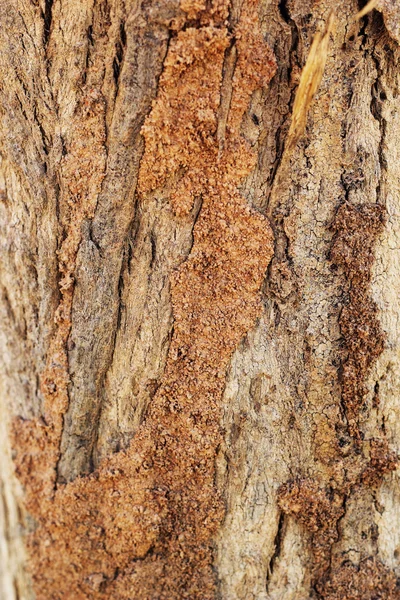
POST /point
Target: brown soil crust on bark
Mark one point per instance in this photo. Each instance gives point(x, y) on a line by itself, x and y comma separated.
point(318, 509)
point(363, 340)
point(145, 519)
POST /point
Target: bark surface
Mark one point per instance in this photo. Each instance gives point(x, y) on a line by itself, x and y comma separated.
point(200, 365)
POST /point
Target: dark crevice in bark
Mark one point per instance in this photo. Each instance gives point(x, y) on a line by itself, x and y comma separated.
point(133, 231)
point(90, 35)
point(195, 215)
point(27, 31)
point(346, 184)
point(153, 247)
point(21, 107)
point(92, 239)
point(282, 130)
point(284, 11)
point(120, 306)
point(362, 34)
point(119, 55)
point(90, 45)
point(378, 97)
point(24, 88)
point(228, 71)
point(47, 18)
point(6, 300)
point(278, 547)
point(46, 144)
point(278, 212)
point(116, 70)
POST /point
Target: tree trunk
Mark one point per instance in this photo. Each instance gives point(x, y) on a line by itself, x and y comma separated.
point(200, 278)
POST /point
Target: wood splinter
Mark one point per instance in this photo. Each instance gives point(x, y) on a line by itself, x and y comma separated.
point(310, 80)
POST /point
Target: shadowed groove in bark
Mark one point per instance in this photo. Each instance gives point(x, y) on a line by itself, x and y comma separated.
point(47, 16)
point(278, 547)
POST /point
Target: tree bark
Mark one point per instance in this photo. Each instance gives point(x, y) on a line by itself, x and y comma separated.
point(200, 278)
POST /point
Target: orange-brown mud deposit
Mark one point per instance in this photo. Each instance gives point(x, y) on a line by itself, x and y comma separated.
point(320, 510)
point(141, 525)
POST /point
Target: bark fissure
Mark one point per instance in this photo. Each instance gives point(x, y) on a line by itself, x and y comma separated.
point(283, 128)
point(277, 547)
point(226, 91)
point(378, 97)
point(47, 18)
point(284, 11)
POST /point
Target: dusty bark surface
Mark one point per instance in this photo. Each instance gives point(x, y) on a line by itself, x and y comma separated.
point(200, 316)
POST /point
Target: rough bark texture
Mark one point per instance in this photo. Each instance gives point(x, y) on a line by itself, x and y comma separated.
point(200, 366)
